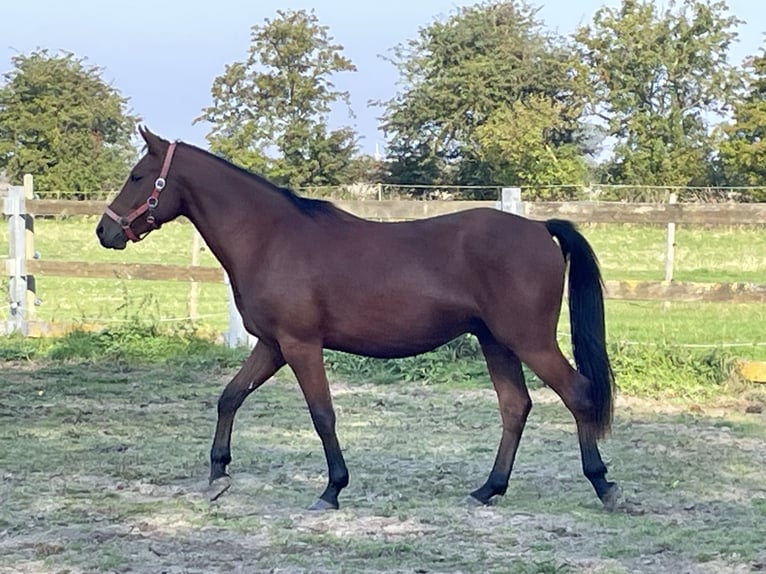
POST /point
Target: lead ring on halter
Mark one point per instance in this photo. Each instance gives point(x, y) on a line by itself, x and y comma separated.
point(149, 205)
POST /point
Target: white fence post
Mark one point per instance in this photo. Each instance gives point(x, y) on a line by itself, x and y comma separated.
point(16, 264)
point(237, 336)
point(194, 286)
point(29, 249)
point(510, 201)
point(670, 242)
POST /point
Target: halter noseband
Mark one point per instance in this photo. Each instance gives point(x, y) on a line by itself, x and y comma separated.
point(150, 203)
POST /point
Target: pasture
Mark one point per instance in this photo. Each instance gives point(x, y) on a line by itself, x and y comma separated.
point(103, 464)
point(104, 439)
point(625, 252)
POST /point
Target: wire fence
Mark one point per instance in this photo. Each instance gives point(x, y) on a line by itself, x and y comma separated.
point(569, 192)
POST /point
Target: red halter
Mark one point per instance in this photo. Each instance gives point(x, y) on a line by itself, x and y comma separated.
point(148, 205)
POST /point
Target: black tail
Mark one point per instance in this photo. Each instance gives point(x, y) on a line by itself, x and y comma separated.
point(586, 312)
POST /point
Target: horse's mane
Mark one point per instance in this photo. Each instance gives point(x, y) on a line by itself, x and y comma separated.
point(306, 205)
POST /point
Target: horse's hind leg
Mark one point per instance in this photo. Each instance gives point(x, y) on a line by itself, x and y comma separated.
point(262, 363)
point(307, 364)
point(574, 389)
point(507, 377)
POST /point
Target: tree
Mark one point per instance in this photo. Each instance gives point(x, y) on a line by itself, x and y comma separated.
point(515, 146)
point(743, 152)
point(270, 113)
point(659, 79)
point(464, 81)
point(61, 122)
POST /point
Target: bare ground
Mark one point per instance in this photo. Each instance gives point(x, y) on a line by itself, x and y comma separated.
point(104, 471)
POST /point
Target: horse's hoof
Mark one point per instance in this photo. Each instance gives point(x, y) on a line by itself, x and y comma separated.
point(611, 498)
point(472, 501)
point(322, 505)
point(218, 487)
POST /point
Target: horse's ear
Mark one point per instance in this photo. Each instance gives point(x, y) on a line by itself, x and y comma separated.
point(154, 143)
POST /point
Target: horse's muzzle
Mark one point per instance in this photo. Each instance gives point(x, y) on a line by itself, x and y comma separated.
point(110, 234)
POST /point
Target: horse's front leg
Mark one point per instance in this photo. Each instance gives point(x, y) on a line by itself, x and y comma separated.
point(306, 362)
point(262, 363)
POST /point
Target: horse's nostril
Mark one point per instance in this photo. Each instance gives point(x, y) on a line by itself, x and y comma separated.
point(100, 230)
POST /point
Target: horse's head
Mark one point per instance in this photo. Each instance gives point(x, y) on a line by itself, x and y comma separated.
point(148, 199)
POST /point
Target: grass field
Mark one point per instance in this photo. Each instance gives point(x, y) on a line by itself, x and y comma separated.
point(103, 466)
point(702, 254)
point(626, 252)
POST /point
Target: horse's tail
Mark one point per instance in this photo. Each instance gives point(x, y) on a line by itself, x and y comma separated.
point(586, 312)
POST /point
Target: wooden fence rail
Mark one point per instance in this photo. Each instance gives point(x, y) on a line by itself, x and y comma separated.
point(628, 290)
point(142, 271)
point(685, 291)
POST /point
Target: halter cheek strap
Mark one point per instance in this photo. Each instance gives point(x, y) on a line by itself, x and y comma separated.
point(149, 205)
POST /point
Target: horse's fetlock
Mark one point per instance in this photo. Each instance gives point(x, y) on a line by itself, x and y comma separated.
point(595, 472)
point(341, 481)
point(223, 459)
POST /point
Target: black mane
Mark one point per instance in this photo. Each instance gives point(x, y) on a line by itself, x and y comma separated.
point(305, 205)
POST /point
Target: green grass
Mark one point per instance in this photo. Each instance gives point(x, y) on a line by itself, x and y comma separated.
point(74, 239)
point(678, 351)
point(140, 343)
point(625, 251)
point(722, 255)
point(735, 327)
point(115, 301)
point(665, 372)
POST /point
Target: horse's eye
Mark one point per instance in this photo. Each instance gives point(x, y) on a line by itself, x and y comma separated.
point(134, 177)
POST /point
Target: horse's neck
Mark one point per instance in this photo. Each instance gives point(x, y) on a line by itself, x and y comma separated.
point(232, 217)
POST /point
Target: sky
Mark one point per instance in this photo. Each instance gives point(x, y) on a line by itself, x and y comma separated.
point(165, 55)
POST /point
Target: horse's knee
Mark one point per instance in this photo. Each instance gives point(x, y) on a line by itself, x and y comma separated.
point(229, 401)
point(524, 408)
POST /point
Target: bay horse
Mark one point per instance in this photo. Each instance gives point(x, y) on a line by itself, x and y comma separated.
point(308, 276)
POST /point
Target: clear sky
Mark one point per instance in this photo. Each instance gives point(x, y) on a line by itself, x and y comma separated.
point(164, 55)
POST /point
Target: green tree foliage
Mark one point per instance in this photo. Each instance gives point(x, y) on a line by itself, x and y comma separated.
point(515, 146)
point(743, 152)
point(270, 113)
point(366, 168)
point(660, 77)
point(61, 122)
point(465, 81)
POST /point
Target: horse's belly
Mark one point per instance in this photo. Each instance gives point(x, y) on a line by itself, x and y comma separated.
point(398, 334)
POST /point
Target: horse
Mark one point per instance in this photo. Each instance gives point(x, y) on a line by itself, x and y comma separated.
point(307, 276)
